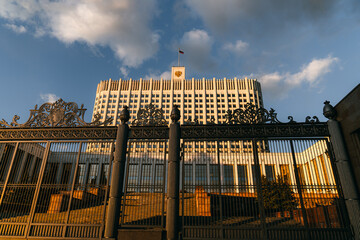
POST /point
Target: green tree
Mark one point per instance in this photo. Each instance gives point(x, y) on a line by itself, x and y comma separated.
point(277, 195)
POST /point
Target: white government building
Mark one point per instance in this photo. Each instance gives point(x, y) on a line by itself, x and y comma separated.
point(203, 99)
point(198, 98)
point(206, 100)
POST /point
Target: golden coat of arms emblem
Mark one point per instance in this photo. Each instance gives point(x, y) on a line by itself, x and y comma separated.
point(178, 73)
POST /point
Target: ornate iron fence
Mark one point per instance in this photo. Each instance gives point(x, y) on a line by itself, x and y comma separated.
point(251, 177)
point(261, 188)
point(143, 203)
point(53, 178)
point(54, 188)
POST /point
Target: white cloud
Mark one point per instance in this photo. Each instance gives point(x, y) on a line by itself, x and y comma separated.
point(22, 10)
point(124, 71)
point(197, 46)
point(49, 97)
point(234, 17)
point(216, 14)
point(237, 48)
point(165, 75)
point(312, 72)
point(16, 28)
point(123, 25)
point(278, 85)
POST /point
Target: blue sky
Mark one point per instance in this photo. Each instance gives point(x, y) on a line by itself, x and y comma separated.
point(302, 52)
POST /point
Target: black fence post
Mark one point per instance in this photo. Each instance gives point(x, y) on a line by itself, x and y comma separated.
point(172, 214)
point(117, 177)
point(343, 166)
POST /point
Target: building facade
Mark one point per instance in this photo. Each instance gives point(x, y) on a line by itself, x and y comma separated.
point(203, 100)
point(207, 100)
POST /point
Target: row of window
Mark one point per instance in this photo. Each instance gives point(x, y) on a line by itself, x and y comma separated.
point(186, 106)
point(315, 172)
point(104, 96)
point(201, 174)
point(27, 173)
point(175, 100)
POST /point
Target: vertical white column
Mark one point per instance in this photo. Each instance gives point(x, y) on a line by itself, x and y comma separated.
point(182, 105)
point(117, 107)
point(236, 93)
point(215, 101)
point(204, 92)
point(193, 116)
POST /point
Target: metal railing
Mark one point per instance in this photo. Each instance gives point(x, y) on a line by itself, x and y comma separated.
point(54, 188)
point(260, 189)
point(143, 203)
point(249, 178)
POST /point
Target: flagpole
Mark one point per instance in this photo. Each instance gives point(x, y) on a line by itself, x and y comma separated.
point(179, 57)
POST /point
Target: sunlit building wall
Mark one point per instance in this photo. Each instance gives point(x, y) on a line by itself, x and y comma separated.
point(201, 99)
point(229, 167)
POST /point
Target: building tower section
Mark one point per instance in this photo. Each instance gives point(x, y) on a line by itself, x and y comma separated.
point(202, 99)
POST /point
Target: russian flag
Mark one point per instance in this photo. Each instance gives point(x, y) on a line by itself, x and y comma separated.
point(181, 51)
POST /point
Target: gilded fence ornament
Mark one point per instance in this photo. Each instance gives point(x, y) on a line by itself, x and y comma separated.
point(251, 114)
point(57, 114)
point(150, 116)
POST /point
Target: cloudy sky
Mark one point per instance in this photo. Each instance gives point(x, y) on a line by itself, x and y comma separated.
point(303, 52)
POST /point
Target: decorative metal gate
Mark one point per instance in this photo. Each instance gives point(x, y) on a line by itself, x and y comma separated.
point(144, 194)
point(258, 180)
point(53, 188)
point(261, 189)
point(251, 177)
point(53, 178)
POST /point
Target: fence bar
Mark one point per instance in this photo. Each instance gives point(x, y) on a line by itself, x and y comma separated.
point(72, 188)
point(182, 188)
point(220, 192)
point(117, 180)
point(172, 213)
point(126, 184)
point(297, 178)
point(163, 188)
point(8, 173)
point(37, 190)
point(107, 189)
point(259, 188)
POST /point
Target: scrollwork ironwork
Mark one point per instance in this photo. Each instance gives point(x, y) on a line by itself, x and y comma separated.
point(150, 116)
point(253, 115)
point(149, 132)
point(314, 119)
point(108, 132)
point(57, 114)
point(239, 131)
point(211, 122)
point(190, 122)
